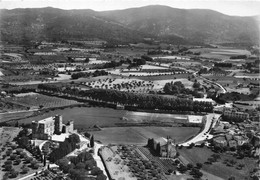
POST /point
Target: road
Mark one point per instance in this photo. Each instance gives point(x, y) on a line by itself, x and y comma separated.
point(212, 82)
point(211, 120)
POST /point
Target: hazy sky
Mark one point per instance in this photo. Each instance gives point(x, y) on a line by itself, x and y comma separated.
point(229, 7)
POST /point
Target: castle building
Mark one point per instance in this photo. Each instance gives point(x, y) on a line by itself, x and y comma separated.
point(46, 128)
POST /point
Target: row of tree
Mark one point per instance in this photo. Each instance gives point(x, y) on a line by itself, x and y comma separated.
point(138, 100)
point(89, 74)
point(111, 64)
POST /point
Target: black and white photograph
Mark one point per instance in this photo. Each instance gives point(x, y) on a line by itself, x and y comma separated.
point(129, 90)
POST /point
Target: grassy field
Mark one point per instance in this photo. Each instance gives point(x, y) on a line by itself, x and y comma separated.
point(166, 77)
point(140, 135)
point(218, 168)
point(84, 117)
point(220, 53)
point(231, 83)
point(7, 134)
point(14, 115)
point(37, 100)
point(148, 117)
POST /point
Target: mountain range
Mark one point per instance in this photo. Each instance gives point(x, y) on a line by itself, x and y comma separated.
point(130, 25)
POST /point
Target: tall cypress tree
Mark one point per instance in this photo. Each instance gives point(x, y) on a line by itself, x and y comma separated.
point(92, 141)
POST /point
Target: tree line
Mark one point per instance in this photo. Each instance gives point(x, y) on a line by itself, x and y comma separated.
point(138, 100)
point(88, 74)
point(177, 88)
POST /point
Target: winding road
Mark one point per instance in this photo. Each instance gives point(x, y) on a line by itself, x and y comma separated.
point(211, 120)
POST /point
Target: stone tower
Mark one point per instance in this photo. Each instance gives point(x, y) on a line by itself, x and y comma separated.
point(57, 124)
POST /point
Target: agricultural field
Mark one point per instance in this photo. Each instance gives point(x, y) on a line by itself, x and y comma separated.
point(140, 135)
point(131, 84)
point(220, 53)
point(24, 78)
point(232, 84)
point(84, 117)
point(39, 101)
point(135, 162)
point(131, 162)
point(164, 77)
point(10, 107)
point(14, 115)
point(171, 57)
point(20, 160)
point(141, 117)
point(219, 168)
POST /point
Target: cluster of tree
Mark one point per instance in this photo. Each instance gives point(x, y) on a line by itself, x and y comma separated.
point(146, 58)
point(88, 74)
point(22, 139)
point(71, 59)
point(173, 70)
point(156, 52)
point(253, 67)
point(137, 62)
point(142, 101)
point(81, 166)
point(235, 96)
point(238, 57)
point(178, 88)
point(69, 145)
point(229, 65)
point(112, 64)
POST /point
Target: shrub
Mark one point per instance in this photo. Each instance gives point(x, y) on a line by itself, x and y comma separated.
point(19, 151)
point(28, 159)
point(170, 171)
point(25, 170)
point(8, 167)
point(189, 166)
point(8, 162)
point(13, 156)
point(8, 152)
point(17, 161)
point(36, 166)
point(198, 165)
point(14, 174)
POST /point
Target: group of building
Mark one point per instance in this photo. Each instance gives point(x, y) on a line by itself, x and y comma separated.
point(47, 128)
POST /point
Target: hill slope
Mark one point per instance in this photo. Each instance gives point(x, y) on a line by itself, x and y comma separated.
point(21, 25)
point(195, 25)
point(130, 25)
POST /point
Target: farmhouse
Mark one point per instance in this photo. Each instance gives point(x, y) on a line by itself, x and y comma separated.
point(46, 128)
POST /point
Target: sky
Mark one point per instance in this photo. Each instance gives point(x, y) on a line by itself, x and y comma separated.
point(229, 7)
